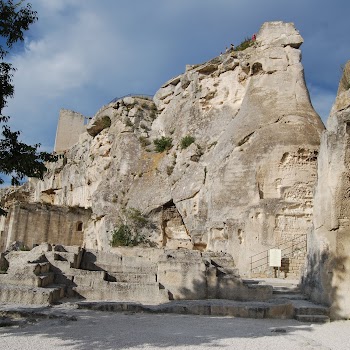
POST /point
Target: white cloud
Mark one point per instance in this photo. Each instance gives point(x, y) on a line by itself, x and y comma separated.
point(82, 53)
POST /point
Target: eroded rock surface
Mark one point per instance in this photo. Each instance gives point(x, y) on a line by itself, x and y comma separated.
point(327, 278)
point(244, 185)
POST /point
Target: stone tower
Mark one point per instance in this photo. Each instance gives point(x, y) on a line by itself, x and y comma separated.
point(70, 126)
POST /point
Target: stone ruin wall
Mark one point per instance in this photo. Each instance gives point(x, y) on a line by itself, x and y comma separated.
point(34, 223)
point(70, 126)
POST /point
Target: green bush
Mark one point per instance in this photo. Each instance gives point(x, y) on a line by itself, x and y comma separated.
point(129, 232)
point(247, 42)
point(163, 144)
point(186, 141)
point(121, 236)
point(125, 237)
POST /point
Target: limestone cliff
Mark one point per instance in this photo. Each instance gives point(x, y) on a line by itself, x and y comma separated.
point(327, 279)
point(244, 185)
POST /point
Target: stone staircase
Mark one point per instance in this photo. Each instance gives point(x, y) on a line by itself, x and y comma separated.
point(40, 276)
point(304, 310)
point(30, 283)
point(47, 274)
point(109, 277)
point(120, 282)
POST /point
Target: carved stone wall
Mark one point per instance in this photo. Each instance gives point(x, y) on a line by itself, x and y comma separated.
point(34, 223)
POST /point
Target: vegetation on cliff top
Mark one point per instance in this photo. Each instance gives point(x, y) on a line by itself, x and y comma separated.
point(247, 42)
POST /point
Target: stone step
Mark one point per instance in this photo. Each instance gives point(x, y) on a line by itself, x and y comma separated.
point(311, 310)
point(119, 291)
point(88, 278)
point(61, 266)
point(116, 263)
point(77, 277)
point(75, 249)
point(87, 273)
point(129, 268)
point(29, 295)
point(64, 279)
point(293, 296)
point(286, 290)
point(46, 279)
point(133, 277)
point(29, 280)
point(250, 282)
point(258, 310)
point(67, 284)
point(56, 257)
point(313, 318)
point(29, 268)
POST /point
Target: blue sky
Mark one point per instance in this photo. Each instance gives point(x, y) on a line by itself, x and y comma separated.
point(83, 53)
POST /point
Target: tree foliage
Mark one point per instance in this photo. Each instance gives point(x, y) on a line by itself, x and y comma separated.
point(17, 159)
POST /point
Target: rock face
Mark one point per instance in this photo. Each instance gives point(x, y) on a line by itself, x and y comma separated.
point(243, 186)
point(327, 279)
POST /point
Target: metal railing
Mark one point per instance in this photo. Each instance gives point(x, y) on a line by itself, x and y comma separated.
point(288, 249)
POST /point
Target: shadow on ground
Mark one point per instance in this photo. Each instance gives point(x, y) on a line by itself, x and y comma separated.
point(106, 330)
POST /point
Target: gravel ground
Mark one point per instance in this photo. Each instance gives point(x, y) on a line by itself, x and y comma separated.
point(104, 330)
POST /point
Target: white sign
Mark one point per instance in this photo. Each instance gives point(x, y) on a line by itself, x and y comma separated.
point(275, 257)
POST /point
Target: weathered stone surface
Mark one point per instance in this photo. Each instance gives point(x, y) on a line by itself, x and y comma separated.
point(181, 273)
point(70, 126)
point(98, 124)
point(327, 278)
point(279, 34)
point(243, 186)
point(34, 223)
